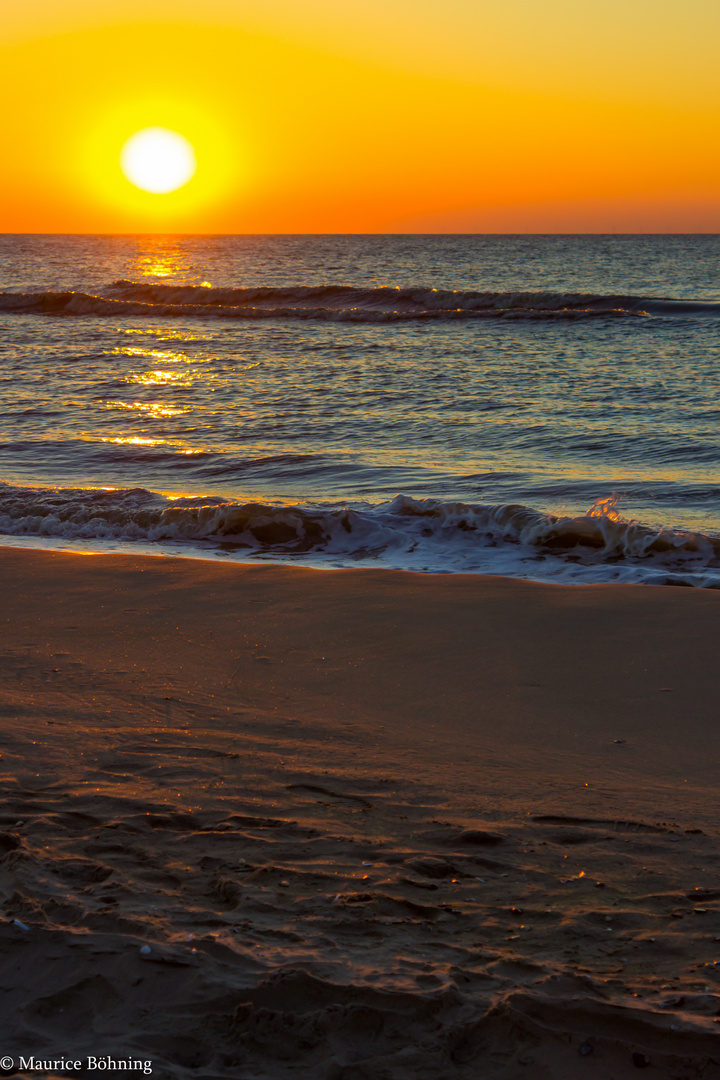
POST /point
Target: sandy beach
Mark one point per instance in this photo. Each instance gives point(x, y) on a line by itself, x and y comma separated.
point(262, 822)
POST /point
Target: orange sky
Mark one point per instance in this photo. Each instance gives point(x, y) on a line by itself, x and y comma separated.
point(311, 116)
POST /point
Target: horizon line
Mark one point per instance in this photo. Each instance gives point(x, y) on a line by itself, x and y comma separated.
point(613, 232)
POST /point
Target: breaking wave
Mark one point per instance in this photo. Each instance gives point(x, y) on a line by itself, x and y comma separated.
point(414, 534)
point(340, 303)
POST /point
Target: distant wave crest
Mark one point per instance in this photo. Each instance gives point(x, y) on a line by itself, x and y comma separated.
point(339, 303)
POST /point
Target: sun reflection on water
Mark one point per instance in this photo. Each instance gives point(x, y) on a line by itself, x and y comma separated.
point(162, 354)
point(162, 378)
point(606, 508)
point(154, 410)
point(137, 440)
point(178, 374)
point(163, 259)
point(166, 332)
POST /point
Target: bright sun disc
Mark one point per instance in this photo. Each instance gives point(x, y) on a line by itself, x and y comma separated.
point(158, 160)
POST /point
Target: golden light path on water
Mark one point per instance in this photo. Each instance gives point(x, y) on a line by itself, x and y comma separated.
point(154, 261)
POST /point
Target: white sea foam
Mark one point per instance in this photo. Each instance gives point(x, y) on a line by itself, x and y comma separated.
point(425, 535)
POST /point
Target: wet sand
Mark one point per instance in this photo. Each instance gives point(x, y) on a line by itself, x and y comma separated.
point(369, 825)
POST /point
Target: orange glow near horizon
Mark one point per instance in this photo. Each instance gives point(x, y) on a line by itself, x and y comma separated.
point(298, 132)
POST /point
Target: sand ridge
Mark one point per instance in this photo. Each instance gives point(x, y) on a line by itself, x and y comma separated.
point(278, 782)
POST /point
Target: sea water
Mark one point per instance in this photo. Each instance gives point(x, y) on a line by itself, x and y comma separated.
point(541, 406)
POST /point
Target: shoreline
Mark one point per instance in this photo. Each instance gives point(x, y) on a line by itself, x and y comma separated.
point(337, 808)
point(131, 549)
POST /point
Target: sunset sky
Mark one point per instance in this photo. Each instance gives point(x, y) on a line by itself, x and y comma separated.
point(366, 115)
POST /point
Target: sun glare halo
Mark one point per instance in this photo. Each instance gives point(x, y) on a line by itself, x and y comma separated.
point(158, 160)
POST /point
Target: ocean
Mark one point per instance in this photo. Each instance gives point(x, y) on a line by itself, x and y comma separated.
point(544, 407)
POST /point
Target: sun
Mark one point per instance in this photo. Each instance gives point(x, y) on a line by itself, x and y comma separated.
point(158, 160)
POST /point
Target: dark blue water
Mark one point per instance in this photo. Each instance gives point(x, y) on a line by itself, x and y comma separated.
point(542, 406)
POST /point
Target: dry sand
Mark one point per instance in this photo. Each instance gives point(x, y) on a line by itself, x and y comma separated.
point(370, 825)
